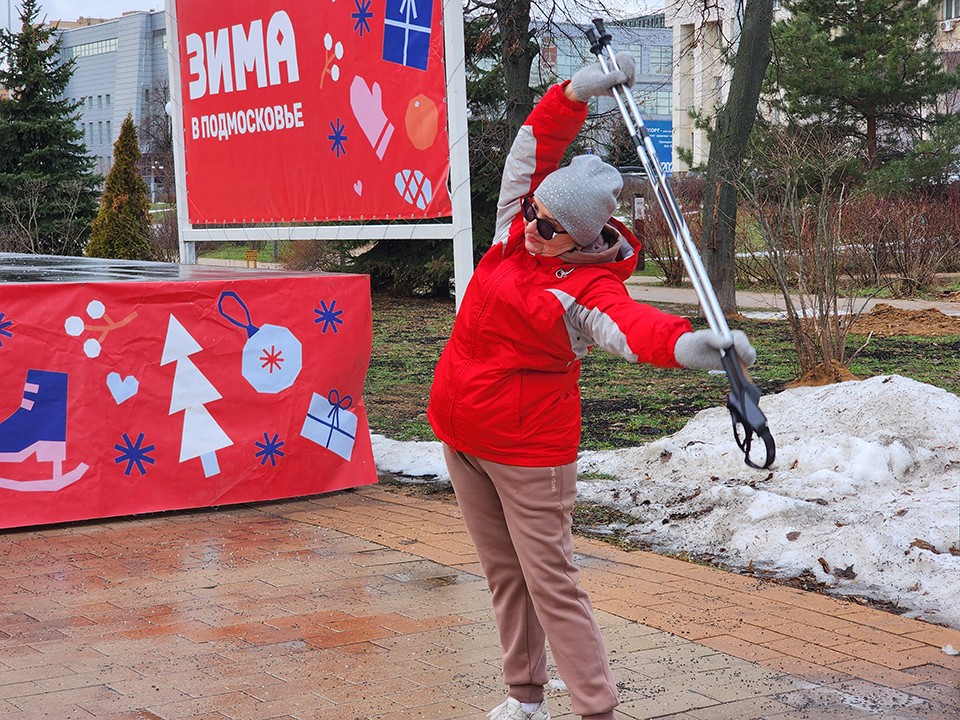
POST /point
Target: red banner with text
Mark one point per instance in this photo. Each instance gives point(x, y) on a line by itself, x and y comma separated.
point(298, 111)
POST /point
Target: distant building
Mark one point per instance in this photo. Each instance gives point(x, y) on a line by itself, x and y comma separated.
point(564, 49)
point(119, 63)
point(79, 22)
point(948, 42)
point(702, 79)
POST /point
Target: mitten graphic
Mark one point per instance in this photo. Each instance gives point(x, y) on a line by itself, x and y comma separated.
point(367, 108)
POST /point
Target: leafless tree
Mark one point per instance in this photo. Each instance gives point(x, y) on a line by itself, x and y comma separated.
point(156, 141)
point(20, 215)
point(730, 136)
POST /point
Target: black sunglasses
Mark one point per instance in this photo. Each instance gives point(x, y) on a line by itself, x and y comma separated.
point(544, 227)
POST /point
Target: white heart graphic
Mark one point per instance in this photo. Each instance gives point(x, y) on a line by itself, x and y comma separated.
point(122, 388)
point(358, 187)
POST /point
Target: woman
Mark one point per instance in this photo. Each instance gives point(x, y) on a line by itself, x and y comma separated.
point(506, 402)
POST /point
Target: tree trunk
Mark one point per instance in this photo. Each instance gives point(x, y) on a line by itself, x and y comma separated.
point(871, 138)
point(734, 123)
point(518, 51)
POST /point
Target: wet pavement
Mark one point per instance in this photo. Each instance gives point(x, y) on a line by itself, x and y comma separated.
point(369, 603)
point(771, 304)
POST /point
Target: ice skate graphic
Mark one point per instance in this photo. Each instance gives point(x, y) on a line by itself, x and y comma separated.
point(39, 427)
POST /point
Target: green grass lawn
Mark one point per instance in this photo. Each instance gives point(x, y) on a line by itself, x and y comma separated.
point(623, 404)
point(233, 251)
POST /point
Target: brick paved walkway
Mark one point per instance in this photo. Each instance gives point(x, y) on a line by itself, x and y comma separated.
point(369, 604)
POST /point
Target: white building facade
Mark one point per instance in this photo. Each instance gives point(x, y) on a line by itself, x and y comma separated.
point(701, 79)
point(119, 63)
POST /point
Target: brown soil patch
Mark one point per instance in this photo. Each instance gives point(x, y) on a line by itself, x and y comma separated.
point(883, 321)
point(821, 375)
point(887, 321)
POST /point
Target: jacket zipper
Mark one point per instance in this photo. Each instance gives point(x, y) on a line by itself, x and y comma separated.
point(474, 340)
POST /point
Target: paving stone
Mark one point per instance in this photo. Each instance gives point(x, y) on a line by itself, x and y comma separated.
point(370, 605)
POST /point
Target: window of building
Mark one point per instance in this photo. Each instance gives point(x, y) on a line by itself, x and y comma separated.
point(548, 51)
point(109, 134)
point(951, 9)
point(645, 21)
point(655, 102)
point(99, 101)
point(661, 59)
point(94, 48)
point(100, 133)
point(160, 38)
point(108, 100)
point(90, 101)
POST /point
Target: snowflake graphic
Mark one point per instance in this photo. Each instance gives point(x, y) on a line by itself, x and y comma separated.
point(269, 449)
point(338, 138)
point(134, 454)
point(329, 316)
point(271, 358)
point(4, 324)
point(361, 16)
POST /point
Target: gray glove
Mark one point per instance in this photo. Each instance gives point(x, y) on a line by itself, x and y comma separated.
point(701, 349)
point(591, 80)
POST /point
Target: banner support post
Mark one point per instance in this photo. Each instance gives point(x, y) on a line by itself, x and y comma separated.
point(455, 58)
point(188, 250)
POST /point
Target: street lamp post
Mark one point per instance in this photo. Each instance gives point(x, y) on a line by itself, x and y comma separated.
point(154, 167)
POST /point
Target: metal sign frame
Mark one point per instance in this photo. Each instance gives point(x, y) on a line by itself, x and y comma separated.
point(460, 227)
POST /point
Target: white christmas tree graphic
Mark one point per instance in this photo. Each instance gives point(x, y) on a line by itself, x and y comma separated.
point(202, 436)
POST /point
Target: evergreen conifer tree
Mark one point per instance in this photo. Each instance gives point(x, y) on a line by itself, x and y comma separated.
point(122, 226)
point(866, 68)
point(47, 186)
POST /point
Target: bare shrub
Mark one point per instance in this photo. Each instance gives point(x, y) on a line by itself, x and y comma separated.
point(316, 255)
point(165, 238)
point(864, 227)
point(658, 243)
point(902, 243)
point(752, 265)
point(943, 226)
point(796, 189)
point(24, 215)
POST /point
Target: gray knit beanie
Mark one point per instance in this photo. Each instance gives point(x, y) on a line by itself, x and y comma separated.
point(582, 196)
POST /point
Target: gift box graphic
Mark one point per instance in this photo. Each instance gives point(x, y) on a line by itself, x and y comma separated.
point(329, 423)
point(406, 32)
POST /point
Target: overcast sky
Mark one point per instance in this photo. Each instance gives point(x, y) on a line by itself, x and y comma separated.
point(72, 9)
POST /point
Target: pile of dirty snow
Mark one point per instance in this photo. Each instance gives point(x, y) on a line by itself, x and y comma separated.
point(864, 493)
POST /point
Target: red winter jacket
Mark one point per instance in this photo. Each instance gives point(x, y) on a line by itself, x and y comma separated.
point(506, 386)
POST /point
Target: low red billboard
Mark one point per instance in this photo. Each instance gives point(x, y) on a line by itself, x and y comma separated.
point(134, 397)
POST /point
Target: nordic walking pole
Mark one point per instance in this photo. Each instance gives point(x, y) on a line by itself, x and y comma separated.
point(744, 397)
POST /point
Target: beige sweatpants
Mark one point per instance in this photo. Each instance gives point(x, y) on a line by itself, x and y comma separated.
point(520, 520)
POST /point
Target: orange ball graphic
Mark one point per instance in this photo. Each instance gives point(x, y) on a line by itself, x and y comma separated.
point(422, 121)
